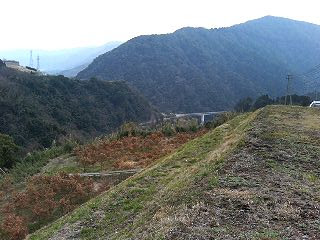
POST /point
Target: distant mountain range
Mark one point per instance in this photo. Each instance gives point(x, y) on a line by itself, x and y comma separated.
point(197, 69)
point(73, 71)
point(35, 110)
point(66, 61)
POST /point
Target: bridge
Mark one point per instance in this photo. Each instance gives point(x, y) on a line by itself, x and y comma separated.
point(201, 115)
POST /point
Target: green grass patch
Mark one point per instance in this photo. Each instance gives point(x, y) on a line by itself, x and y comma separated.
point(34, 162)
point(139, 198)
point(267, 234)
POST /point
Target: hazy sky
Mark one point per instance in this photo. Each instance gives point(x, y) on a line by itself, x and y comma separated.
point(56, 24)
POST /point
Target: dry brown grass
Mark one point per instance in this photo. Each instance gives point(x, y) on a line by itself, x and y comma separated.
point(132, 151)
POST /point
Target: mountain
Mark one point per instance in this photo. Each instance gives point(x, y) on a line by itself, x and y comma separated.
point(59, 60)
point(35, 110)
point(197, 69)
point(251, 178)
point(73, 71)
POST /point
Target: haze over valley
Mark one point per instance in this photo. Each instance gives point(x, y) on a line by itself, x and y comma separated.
point(58, 61)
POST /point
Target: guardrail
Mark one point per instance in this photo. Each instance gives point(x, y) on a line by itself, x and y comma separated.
point(111, 173)
point(2, 172)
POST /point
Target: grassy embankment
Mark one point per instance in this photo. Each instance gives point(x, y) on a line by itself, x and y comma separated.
point(255, 177)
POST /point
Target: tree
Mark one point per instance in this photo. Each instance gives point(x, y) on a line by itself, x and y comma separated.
point(2, 64)
point(8, 151)
point(296, 100)
point(262, 101)
point(244, 105)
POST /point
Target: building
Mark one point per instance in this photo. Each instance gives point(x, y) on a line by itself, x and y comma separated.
point(11, 63)
point(16, 65)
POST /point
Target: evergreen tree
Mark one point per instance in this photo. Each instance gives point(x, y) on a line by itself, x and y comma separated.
point(8, 151)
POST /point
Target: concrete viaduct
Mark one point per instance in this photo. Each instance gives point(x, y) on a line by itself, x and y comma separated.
point(199, 115)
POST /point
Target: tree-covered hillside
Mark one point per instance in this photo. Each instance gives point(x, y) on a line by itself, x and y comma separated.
point(35, 110)
point(196, 69)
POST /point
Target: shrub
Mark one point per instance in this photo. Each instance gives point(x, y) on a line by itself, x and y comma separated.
point(193, 128)
point(44, 199)
point(181, 129)
point(133, 151)
point(34, 162)
point(13, 227)
point(221, 119)
point(168, 130)
point(8, 151)
point(128, 129)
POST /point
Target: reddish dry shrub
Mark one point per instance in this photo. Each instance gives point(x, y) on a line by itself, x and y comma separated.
point(132, 151)
point(44, 199)
point(14, 227)
point(6, 186)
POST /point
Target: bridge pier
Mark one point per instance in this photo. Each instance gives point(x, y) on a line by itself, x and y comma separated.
point(202, 120)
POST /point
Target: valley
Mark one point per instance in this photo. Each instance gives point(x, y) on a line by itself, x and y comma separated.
point(192, 134)
point(64, 61)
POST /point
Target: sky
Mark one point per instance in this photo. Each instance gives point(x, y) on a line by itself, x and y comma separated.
point(60, 24)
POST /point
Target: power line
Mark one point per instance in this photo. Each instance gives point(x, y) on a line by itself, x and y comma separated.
point(311, 71)
point(309, 78)
point(38, 63)
point(31, 59)
point(313, 74)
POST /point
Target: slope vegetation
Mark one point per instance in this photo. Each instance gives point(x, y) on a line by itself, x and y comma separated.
point(35, 110)
point(255, 177)
point(197, 69)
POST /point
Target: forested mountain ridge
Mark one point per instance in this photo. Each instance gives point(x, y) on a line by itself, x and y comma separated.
point(35, 110)
point(197, 69)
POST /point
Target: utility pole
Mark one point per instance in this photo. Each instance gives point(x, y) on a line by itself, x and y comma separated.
point(289, 77)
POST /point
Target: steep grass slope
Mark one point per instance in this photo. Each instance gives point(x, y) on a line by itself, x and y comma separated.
point(255, 177)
